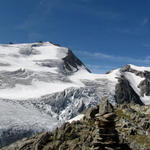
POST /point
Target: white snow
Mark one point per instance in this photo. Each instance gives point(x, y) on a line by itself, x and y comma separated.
point(145, 99)
point(10, 54)
point(78, 117)
point(84, 75)
point(17, 120)
point(140, 68)
point(14, 115)
point(11, 60)
point(36, 90)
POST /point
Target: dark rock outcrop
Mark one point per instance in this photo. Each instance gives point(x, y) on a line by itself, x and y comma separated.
point(142, 74)
point(128, 68)
point(145, 87)
point(72, 63)
point(124, 93)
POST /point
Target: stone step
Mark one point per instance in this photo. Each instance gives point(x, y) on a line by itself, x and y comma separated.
point(107, 135)
point(97, 148)
point(106, 124)
point(107, 131)
point(106, 139)
point(97, 143)
point(109, 143)
point(109, 148)
point(102, 120)
point(109, 116)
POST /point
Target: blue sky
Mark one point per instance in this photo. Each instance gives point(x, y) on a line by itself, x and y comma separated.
point(104, 34)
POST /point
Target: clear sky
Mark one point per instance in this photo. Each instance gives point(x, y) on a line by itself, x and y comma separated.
point(104, 34)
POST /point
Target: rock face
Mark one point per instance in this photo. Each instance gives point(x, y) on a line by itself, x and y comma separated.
point(124, 93)
point(72, 63)
point(145, 87)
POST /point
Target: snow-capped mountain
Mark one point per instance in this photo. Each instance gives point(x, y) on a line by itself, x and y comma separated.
point(43, 85)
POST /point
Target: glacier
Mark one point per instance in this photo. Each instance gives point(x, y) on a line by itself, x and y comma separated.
point(43, 85)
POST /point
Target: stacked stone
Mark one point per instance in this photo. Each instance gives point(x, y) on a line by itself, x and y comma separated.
point(106, 137)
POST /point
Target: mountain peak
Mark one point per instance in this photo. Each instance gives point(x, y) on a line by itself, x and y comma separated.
point(134, 67)
point(36, 67)
point(47, 84)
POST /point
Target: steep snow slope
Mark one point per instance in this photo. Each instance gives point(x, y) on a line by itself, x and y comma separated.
point(43, 85)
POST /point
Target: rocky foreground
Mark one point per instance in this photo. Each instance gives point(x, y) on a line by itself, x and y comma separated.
point(104, 127)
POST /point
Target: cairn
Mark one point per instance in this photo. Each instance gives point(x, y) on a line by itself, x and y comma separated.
point(106, 137)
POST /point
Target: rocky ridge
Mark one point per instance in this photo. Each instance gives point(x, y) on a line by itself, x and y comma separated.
point(104, 127)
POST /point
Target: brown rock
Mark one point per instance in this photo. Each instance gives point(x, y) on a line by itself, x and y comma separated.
point(109, 116)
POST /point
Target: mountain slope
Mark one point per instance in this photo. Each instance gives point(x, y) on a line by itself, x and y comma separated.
point(43, 85)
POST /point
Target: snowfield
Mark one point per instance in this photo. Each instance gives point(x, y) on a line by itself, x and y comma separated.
point(43, 85)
